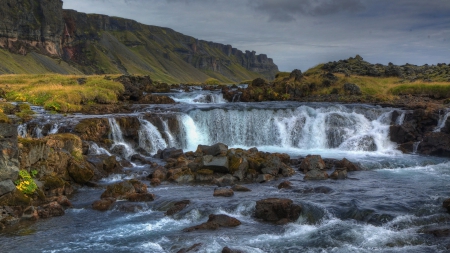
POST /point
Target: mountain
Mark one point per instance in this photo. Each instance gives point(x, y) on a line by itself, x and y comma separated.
point(38, 36)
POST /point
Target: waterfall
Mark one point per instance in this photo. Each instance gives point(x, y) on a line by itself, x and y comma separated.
point(304, 128)
point(37, 132)
point(441, 122)
point(199, 98)
point(400, 119)
point(150, 139)
point(94, 149)
point(54, 129)
point(171, 140)
point(117, 137)
point(416, 147)
point(22, 130)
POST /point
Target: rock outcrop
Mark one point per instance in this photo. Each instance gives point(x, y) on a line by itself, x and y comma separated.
point(9, 158)
point(214, 222)
point(279, 211)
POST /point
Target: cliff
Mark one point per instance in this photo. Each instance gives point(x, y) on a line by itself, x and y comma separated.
point(50, 39)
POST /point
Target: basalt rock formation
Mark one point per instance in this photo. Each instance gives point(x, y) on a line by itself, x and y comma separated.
point(65, 41)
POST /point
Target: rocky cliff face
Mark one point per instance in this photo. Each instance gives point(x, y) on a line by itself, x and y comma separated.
point(99, 44)
point(9, 154)
point(31, 24)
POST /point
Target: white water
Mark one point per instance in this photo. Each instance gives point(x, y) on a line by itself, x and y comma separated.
point(441, 123)
point(303, 128)
point(94, 149)
point(150, 139)
point(55, 129)
point(117, 137)
point(22, 130)
point(199, 98)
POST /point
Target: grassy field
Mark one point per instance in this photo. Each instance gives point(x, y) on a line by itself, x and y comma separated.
point(62, 93)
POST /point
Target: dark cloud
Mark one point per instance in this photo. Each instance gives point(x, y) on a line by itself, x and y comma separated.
point(288, 10)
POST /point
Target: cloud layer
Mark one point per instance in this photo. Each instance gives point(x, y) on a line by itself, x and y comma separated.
point(301, 34)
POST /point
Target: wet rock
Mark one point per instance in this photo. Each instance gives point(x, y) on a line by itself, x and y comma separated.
point(435, 143)
point(30, 213)
point(264, 178)
point(240, 188)
point(347, 165)
point(138, 158)
point(159, 173)
point(214, 150)
point(446, 205)
point(194, 248)
point(130, 208)
point(228, 250)
point(80, 172)
point(316, 175)
point(155, 182)
point(6, 187)
point(278, 211)
point(223, 192)
point(184, 177)
point(214, 222)
point(285, 185)
point(141, 197)
point(119, 190)
point(178, 207)
point(227, 180)
point(312, 162)
point(339, 174)
point(103, 204)
point(156, 99)
point(437, 231)
point(50, 210)
point(272, 165)
point(169, 153)
point(216, 163)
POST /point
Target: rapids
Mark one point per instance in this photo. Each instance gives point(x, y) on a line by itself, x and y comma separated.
point(384, 208)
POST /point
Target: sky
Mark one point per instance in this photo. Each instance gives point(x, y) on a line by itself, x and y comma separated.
point(299, 34)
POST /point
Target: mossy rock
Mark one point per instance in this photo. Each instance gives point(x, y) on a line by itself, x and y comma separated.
point(235, 162)
point(15, 198)
point(119, 190)
point(80, 172)
point(4, 118)
point(205, 172)
point(52, 182)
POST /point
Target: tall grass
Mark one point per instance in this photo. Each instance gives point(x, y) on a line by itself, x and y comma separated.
point(60, 92)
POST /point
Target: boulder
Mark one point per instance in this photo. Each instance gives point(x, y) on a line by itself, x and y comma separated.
point(155, 182)
point(435, 143)
point(339, 174)
point(80, 172)
point(347, 165)
point(103, 204)
point(264, 178)
point(177, 207)
point(285, 185)
point(169, 153)
point(141, 197)
point(240, 188)
point(6, 187)
point(214, 150)
point(119, 190)
point(50, 210)
point(9, 157)
point(312, 162)
point(272, 165)
point(214, 222)
point(238, 166)
point(446, 205)
point(352, 89)
point(223, 192)
point(316, 175)
point(215, 163)
point(194, 248)
point(227, 180)
point(278, 211)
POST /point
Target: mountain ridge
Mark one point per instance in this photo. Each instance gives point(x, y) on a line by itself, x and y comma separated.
point(71, 42)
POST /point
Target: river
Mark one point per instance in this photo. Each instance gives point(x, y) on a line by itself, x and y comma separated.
point(384, 208)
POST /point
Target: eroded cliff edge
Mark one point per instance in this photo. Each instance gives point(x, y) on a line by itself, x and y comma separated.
point(66, 41)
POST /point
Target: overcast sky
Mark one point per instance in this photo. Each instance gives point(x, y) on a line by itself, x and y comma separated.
point(301, 33)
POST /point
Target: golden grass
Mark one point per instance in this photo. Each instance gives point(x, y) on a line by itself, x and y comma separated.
point(60, 92)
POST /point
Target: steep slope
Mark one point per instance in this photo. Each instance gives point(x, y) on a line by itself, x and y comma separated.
point(98, 44)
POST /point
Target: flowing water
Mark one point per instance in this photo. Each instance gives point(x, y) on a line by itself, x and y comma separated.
point(385, 208)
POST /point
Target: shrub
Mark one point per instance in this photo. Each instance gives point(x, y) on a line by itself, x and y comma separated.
point(25, 183)
point(212, 81)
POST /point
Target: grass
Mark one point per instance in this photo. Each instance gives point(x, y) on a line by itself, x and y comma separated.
point(436, 90)
point(60, 93)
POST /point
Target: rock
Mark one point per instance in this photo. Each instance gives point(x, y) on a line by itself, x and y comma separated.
point(278, 211)
point(80, 172)
point(272, 165)
point(159, 173)
point(446, 205)
point(312, 162)
point(228, 250)
point(352, 89)
point(215, 163)
point(214, 222)
point(347, 165)
point(30, 213)
point(119, 190)
point(240, 188)
point(339, 174)
point(103, 204)
point(183, 177)
point(50, 210)
point(169, 153)
point(238, 166)
point(437, 231)
point(223, 192)
point(435, 143)
point(258, 82)
point(214, 150)
point(6, 186)
point(316, 175)
point(264, 178)
point(141, 197)
point(285, 185)
point(227, 180)
point(138, 158)
point(155, 182)
point(194, 248)
point(296, 74)
point(177, 207)
point(156, 99)
point(130, 207)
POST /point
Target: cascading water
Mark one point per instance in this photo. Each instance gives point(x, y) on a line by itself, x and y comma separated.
point(204, 97)
point(303, 128)
point(442, 121)
point(117, 137)
point(55, 129)
point(22, 130)
point(150, 139)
